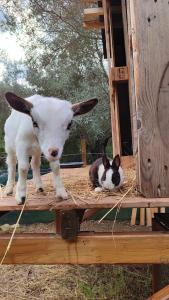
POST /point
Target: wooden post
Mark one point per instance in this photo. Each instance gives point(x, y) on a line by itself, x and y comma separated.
point(58, 221)
point(83, 150)
point(68, 223)
point(133, 216)
point(149, 20)
point(142, 216)
point(112, 87)
point(156, 268)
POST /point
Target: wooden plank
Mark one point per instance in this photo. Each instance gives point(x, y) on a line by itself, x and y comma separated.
point(124, 248)
point(114, 96)
point(151, 19)
point(163, 294)
point(112, 89)
point(89, 213)
point(93, 25)
point(119, 74)
point(92, 13)
point(129, 45)
point(162, 210)
point(133, 216)
point(89, 1)
point(142, 216)
point(148, 217)
point(50, 203)
point(157, 268)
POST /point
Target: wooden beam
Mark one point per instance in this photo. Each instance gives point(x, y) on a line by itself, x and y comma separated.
point(119, 74)
point(129, 44)
point(89, 1)
point(93, 25)
point(124, 248)
point(92, 13)
point(163, 294)
point(116, 143)
point(50, 203)
point(83, 151)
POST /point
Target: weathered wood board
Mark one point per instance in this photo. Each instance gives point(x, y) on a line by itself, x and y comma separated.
point(163, 294)
point(50, 203)
point(115, 123)
point(119, 248)
point(150, 47)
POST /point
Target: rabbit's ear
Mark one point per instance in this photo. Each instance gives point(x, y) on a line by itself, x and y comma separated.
point(106, 162)
point(116, 162)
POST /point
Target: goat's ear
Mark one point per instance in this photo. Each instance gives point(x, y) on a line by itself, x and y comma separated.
point(84, 107)
point(19, 103)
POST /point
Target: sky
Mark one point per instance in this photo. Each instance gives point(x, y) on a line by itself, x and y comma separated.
point(10, 45)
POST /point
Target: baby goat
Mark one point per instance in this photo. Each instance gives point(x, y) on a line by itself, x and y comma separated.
point(38, 125)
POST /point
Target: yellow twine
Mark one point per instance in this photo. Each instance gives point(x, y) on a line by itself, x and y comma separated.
point(119, 201)
point(12, 236)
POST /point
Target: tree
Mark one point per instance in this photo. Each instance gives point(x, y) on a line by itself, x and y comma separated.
point(62, 59)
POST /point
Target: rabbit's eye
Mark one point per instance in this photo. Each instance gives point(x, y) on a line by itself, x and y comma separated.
point(116, 178)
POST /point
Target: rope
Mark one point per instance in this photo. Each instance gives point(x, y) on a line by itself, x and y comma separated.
point(12, 236)
point(118, 202)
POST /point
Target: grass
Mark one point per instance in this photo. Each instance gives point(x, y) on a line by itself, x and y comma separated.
point(101, 282)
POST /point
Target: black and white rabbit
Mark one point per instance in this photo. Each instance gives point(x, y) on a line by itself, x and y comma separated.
point(106, 174)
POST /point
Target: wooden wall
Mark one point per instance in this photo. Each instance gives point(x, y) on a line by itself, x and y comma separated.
point(148, 30)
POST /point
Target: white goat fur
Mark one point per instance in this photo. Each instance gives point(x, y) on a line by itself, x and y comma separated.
point(23, 140)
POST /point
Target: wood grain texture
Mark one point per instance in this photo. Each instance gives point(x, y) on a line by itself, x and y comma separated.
point(150, 27)
point(119, 74)
point(130, 248)
point(163, 294)
point(131, 43)
point(92, 12)
point(133, 216)
point(93, 24)
point(83, 151)
point(89, 1)
point(50, 203)
point(116, 141)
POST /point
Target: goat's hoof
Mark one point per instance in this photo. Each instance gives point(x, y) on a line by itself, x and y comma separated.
point(23, 200)
point(62, 195)
point(20, 200)
point(8, 191)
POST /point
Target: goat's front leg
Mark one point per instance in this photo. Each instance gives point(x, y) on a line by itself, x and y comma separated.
point(60, 190)
point(23, 167)
point(11, 162)
point(35, 165)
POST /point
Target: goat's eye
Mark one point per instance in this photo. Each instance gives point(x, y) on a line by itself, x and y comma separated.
point(35, 124)
point(69, 125)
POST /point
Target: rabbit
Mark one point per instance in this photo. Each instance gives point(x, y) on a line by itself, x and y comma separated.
point(106, 174)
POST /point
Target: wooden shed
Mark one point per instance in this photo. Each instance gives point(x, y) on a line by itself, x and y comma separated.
point(135, 43)
point(135, 35)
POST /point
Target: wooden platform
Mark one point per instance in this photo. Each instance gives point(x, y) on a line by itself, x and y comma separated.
point(50, 202)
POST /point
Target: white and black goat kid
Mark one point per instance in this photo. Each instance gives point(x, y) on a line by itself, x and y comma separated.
point(38, 125)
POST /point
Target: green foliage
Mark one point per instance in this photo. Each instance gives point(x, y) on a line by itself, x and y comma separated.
point(61, 59)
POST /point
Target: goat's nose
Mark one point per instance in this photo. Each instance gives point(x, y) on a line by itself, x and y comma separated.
point(53, 152)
